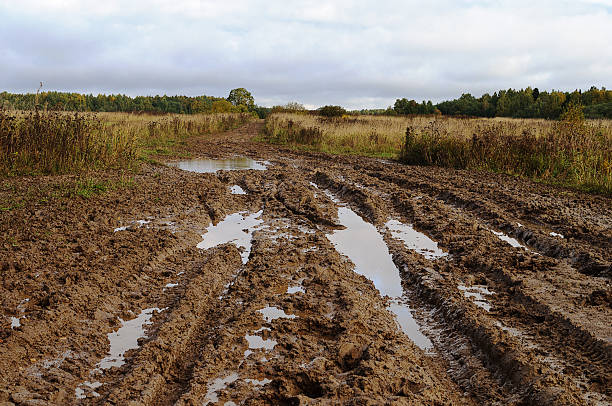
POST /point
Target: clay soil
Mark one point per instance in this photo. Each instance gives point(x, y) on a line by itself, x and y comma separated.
point(69, 278)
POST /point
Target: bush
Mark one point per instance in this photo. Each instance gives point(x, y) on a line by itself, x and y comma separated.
point(332, 111)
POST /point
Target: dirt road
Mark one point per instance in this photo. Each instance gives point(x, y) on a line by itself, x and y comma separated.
point(319, 280)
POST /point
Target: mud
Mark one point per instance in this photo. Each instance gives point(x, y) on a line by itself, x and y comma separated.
point(260, 307)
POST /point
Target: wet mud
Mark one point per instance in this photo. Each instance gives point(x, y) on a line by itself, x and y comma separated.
point(280, 277)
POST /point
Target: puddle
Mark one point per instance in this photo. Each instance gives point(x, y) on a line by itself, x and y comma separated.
point(80, 392)
point(258, 382)
point(553, 234)
point(365, 247)
point(258, 343)
point(295, 289)
point(409, 326)
point(218, 385)
point(414, 240)
point(213, 165)
point(236, 228)
point(139, 222)
point(477, 292)
point(15, 322)
point(170, 286)
point(271, 313)
point(237, 190)
point(126, 338)
point(509, 240)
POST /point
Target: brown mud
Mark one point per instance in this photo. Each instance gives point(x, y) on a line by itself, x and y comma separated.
point(295, 325)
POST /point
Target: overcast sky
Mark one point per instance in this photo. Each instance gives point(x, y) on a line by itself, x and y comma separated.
point(353, 53)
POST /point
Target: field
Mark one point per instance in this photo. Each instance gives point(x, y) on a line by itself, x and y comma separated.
point(312, 278)
point(574, 153)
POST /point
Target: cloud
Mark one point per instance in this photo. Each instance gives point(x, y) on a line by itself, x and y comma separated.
point(354, 53)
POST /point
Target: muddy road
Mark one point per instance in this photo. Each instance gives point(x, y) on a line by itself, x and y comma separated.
point(306, 279)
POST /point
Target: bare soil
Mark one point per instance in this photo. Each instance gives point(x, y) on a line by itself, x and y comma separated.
point(69, 278)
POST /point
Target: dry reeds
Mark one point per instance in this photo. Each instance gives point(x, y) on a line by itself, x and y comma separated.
point(41, 142)
point(573, 152)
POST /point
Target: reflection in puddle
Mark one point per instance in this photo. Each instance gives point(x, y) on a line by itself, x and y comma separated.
point(236, 228)
point(271, 313)
point(509, 240)
point(237, 190)
point(295, 289)
point(79, 392)
point(15, 322)
point(126, 338)
point(258, 382)
point(140, 223)
point(414, 240)
point(365, 247)
point(258, 343)
point(409, 326)
point(217, 385)
point(477, 292)
point(213, 165)
point(361, 242)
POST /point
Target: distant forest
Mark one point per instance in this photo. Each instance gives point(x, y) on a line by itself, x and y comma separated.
point(115, 102)
point(524, 103)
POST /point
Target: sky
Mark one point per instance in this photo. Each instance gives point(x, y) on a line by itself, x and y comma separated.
point(358, 54)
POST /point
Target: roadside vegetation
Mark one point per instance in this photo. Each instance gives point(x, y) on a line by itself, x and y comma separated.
point(572, 152)
point(50, 142)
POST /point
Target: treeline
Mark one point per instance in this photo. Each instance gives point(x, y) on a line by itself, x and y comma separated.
point(524, 103)
point(118, 103)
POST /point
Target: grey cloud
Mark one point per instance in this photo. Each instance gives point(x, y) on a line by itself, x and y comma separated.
point(354, 53)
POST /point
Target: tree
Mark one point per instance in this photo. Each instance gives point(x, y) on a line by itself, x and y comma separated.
point(241, 96)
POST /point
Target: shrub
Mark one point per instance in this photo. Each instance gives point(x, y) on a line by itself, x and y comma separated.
point(331, 111)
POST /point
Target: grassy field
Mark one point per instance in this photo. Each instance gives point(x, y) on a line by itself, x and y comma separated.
point(574, 152)
point(56, 142)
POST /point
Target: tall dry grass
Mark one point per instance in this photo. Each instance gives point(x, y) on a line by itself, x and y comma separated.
point(574, 153)
point(41, 142)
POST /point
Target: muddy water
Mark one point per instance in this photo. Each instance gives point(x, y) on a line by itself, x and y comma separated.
point(477, 293)
point(414, 240)
point(361, 242)
point(202, 165)
point(237, 229)
point(237, 190)
point(512, 241)
point(126, 338)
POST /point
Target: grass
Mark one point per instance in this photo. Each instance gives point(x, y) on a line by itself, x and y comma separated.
point(39, 142)
point(573, 152)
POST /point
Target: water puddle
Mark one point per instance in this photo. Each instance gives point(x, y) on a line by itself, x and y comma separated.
point(361, 242)
point(218, 385)
point(15, 322)
point(512, 241)
point(126, 338)
point(236, 228)
point(409, 326)
point(237, 190)
point(121, 341)
point(258, 343)
point(365, 247)
point(139, 223)
point(203, 165)
point(477, 292)
point(258, 382)
point(414, 240)
point(291, 290)
point(271, 313)
point(82, 389)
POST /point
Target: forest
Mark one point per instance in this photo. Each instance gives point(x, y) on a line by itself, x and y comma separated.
point(523, 103)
